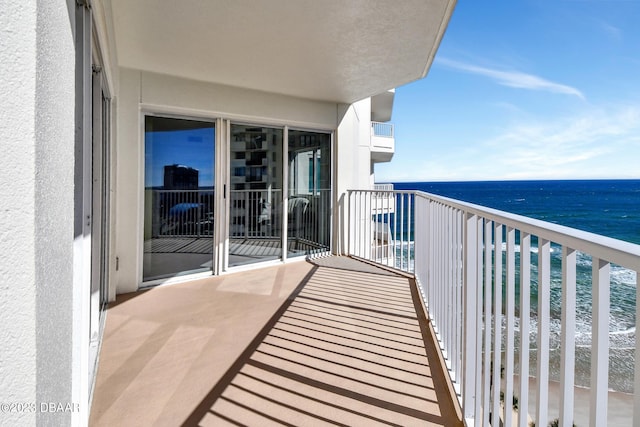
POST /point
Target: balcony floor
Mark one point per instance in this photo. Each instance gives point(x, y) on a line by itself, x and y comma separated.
point(331, 341)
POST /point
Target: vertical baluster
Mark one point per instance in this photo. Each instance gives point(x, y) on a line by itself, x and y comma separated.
point(354, 212)
point(568, 350)
point(383, 233)
point(395, 228)
point(410, 229)
point(497, 323)
point(544, 301)
point(459, 303)
point(600, 343)
point(510, 315)
point(359, 225)
point(459, 307)
point(432, 259)
point(376, 198)
point(469, 295)
point(636, 382)
point(437, 266)
point(366, 220)
point(488, 281)
point(441, 267)
point(418, 248)
point(401, 230)
point(371, 234)
point(450, 286)
point(363, 216)
point(478, 321)
point(525, 310)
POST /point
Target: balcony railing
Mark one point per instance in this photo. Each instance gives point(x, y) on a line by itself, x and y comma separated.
point(382, 129)
point(501, 292)
point(382, 142)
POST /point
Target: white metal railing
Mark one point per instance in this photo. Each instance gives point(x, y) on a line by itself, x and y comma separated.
point(382, 129)
point(381, 227)
point(383, 187)
point(470, 262)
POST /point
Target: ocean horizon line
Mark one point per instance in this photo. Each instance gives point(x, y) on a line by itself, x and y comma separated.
point(456, 181)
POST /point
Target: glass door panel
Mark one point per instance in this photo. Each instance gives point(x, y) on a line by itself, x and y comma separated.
point(179, 197)
point(309, 193)
point(255, 205)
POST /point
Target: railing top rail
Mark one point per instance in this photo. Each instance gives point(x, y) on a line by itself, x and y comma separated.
point(609, 249)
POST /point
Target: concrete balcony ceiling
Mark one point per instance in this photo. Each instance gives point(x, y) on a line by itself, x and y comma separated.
point(331, 50)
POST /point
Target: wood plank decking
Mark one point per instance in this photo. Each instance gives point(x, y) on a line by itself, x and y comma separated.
point(332, 341)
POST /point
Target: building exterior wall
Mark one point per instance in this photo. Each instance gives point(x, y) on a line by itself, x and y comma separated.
point(353, 161)
point(37, 171)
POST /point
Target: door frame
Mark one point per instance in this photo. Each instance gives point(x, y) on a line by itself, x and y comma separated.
point(154, 111)
point(222, 162)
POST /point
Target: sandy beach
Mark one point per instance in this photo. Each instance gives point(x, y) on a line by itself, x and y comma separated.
point(619, 413)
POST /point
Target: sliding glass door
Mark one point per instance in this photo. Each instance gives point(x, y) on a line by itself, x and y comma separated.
point(274, 203)
point(179, 197)
point(255, 196)
point(309, 193)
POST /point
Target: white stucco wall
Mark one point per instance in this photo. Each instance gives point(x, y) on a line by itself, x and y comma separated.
point(17, 217)
point(36, 219)
point(353, 159)
point(140, 92)
point(54, 202)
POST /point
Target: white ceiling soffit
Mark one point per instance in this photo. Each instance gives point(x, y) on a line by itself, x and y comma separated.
point(332, 50)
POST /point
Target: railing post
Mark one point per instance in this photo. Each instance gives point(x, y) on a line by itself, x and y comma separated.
point(568, 347)
point(510, 315)
point(497, 323)
point(469, 332)
point(544, 303)
point(600, 343)
point(525, 315)
point(488, 276)
point(636, 382)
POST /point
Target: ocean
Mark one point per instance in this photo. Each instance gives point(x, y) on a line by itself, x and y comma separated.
point(607, 207)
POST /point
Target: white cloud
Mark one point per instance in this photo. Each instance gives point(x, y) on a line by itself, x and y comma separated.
point(581, 146)
point(613, 31)
point(597, 143)
point(514, 79)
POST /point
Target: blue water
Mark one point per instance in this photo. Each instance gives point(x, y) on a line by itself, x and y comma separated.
point(607, 207)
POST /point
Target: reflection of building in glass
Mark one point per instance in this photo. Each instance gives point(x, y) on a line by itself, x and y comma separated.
point(179, 177)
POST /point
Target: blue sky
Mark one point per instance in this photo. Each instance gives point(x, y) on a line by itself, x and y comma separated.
point(193, 148)
point(525, 90)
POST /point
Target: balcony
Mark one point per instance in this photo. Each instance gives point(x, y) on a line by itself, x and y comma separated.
point(342, 340)
point(327, 341)
point(382, 142)
point(501, 291)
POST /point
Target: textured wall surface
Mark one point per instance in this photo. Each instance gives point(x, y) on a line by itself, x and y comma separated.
point(36, 210)
point(17, 230)
point(54, 162)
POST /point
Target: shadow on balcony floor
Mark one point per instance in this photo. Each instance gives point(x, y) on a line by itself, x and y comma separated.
point(346, 347)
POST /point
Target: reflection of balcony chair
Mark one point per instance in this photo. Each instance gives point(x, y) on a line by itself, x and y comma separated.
point(298, 207)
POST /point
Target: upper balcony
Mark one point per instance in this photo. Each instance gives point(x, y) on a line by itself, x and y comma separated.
point(383, 142)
